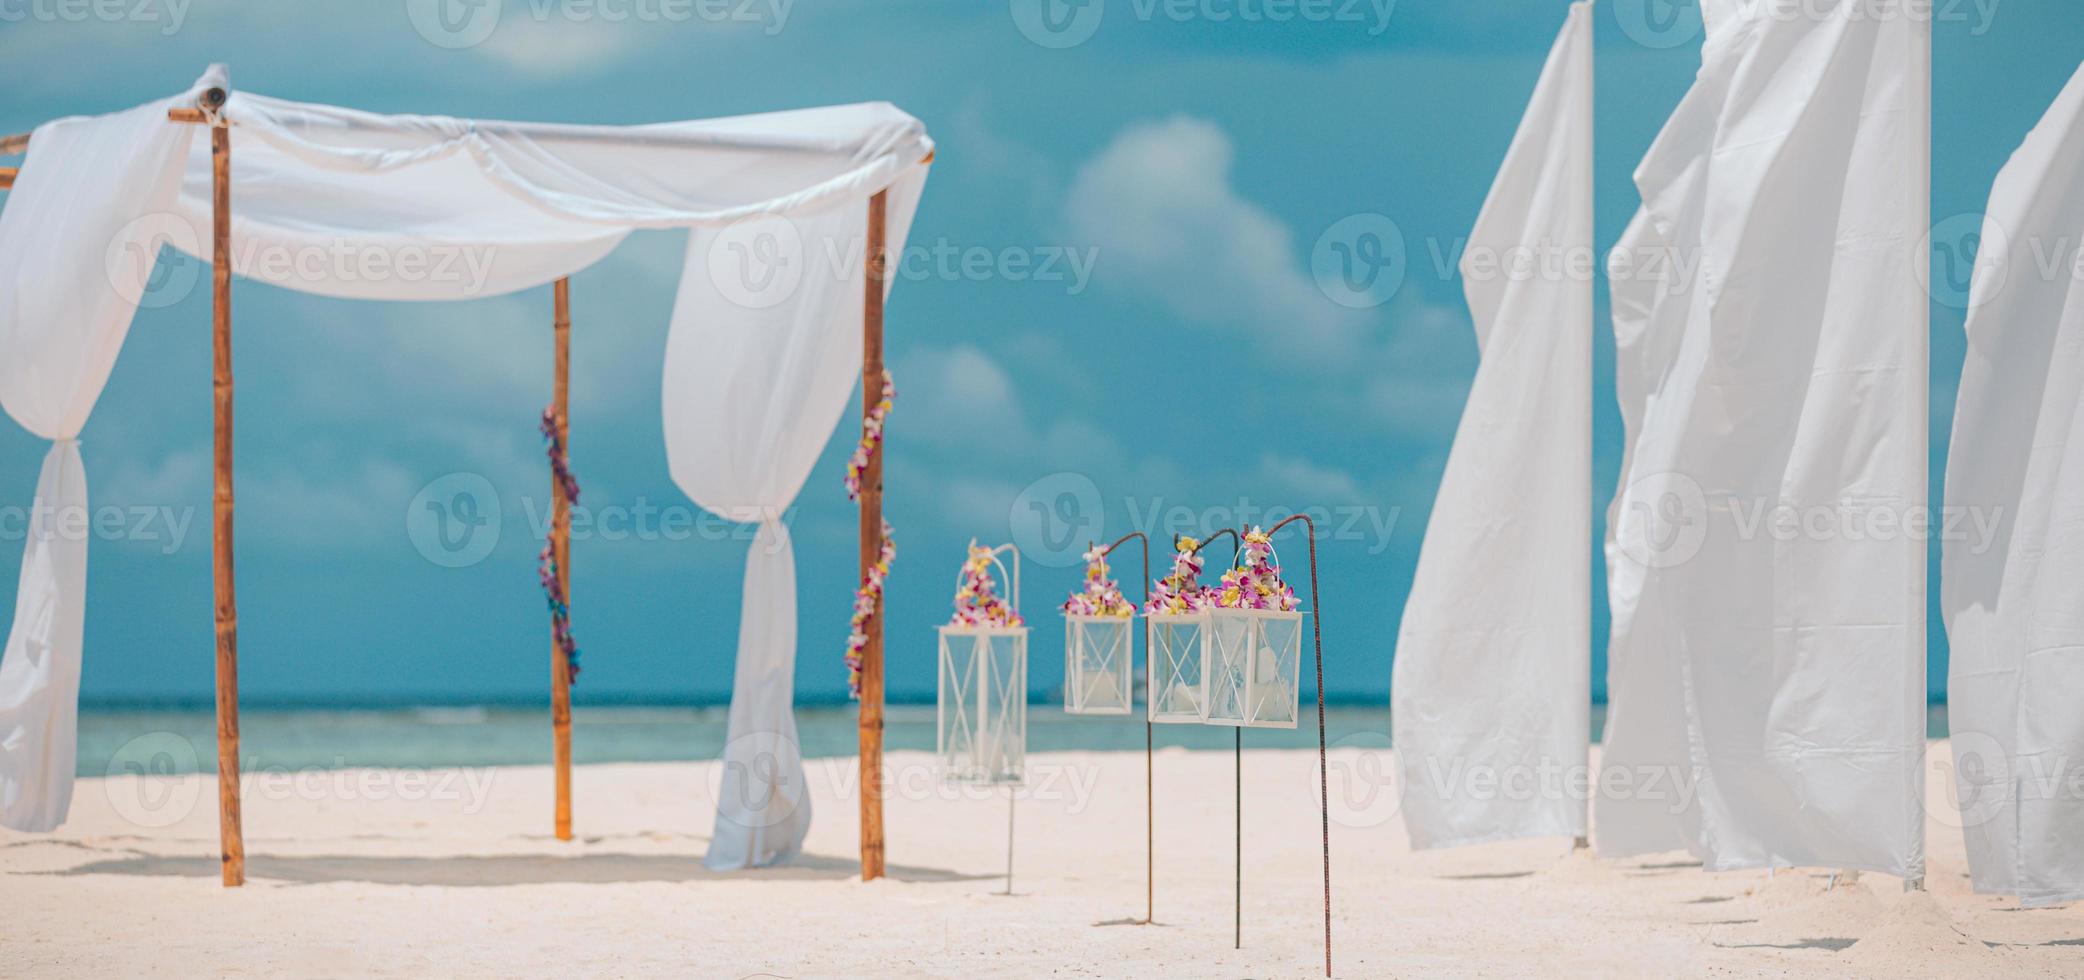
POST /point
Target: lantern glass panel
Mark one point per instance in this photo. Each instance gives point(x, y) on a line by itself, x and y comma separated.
point(1098, 665)
point(1177, 665)
point(983, 705)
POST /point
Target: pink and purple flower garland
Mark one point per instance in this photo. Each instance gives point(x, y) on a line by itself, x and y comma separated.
point(1256, 583)
point(1181, 592)
point(870, 595)
point(1102, 596)
point(977, 601)
point(546, 561)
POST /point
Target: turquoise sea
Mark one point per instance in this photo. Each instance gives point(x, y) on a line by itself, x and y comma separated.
point(182, 739)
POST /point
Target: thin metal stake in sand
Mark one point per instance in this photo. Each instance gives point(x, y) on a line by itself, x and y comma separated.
point(1150, 833)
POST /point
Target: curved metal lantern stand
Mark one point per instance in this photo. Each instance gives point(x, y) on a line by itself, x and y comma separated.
point(1323, 766)
point(1316, 611)
point(1011, 573)
point(1150, 835)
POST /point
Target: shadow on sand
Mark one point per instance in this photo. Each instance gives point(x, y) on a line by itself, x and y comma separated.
point(499, 870)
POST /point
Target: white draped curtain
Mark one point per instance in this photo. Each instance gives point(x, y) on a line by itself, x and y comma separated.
point(2014, 610)
point(1796, 174)
point(1492, 679)
point(531, 203)
point(750, 401)
point(73, 281)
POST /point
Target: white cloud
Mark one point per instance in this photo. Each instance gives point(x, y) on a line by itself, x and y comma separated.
point(1159, 204)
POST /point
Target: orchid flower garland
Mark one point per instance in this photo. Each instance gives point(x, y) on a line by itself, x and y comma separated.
point(1181, 592)
point(1256, 583)
point(977, 601)
point(546, 561)
point(870, 594)
point(1102, 596)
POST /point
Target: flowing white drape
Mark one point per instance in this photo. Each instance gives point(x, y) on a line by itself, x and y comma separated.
point(1783, 460)
point(1491, 693)
point(2015, 604)
point(750, 401)
point(352, 204)
point(73, 279)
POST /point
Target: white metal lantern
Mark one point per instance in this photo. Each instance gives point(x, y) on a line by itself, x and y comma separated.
point(1176, 667)
point(1254, 668)
point(1099, 664)
point(983, 694)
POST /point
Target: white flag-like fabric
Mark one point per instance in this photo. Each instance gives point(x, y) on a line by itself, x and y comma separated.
point(1780, 470)
point(2015, 603)
point(1491, 689)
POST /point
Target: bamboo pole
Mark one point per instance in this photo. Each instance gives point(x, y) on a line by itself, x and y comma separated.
point(561, 525)
point(230, 835)
point(7, 176)
point(871, 731)
point(11, 145)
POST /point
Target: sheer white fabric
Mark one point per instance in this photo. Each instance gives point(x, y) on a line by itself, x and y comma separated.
point(71, 289)
point(351, 204)
point(2014, 607)
point(1783, 460)
point(1491, 694)
point(750, 401)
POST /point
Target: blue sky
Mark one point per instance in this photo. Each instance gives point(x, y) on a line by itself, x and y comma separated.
point(1196, 375)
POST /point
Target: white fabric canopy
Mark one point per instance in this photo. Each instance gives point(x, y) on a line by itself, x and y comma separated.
point(2015, 605)
point(351, 204)
point(1782, 461)
point(1491, 694)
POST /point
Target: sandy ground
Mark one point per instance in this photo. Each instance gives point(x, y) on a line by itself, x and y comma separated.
point(454, 872)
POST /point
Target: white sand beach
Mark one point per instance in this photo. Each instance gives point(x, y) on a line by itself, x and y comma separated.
point(454, 872)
